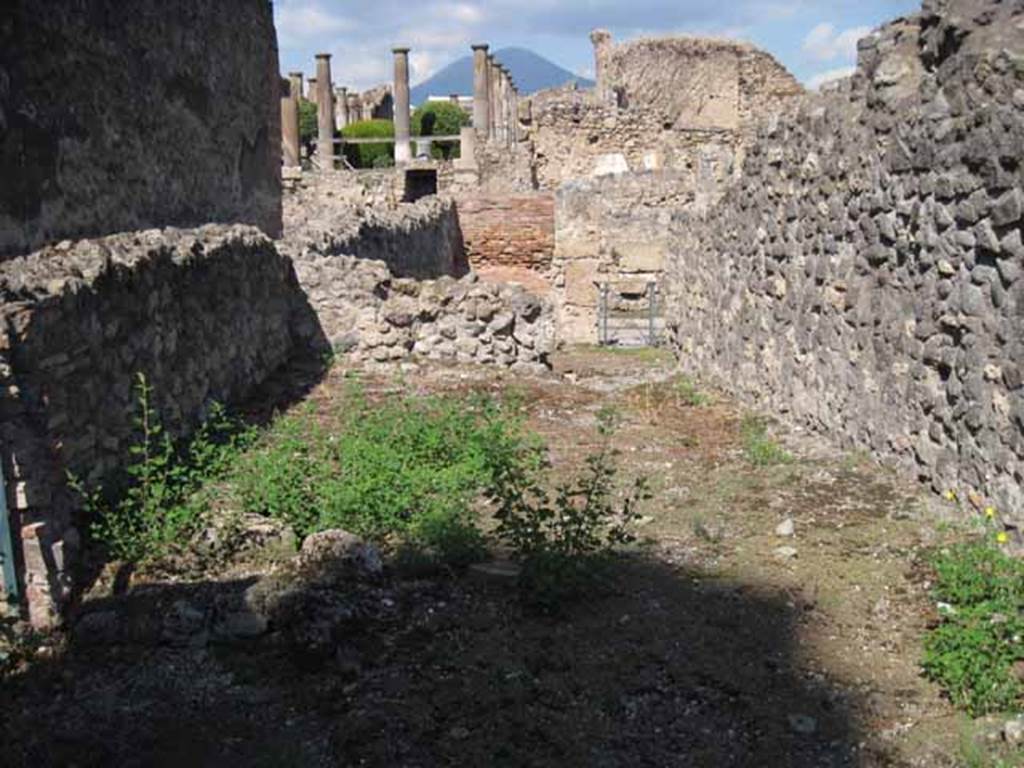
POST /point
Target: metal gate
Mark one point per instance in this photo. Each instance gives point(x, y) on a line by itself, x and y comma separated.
point(629, 314)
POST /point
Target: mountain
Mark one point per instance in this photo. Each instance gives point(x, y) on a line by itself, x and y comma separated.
point(530, 71)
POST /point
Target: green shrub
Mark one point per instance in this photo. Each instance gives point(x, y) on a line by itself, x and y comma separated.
point(973, 651)
point(308, 123)
point(563, 538)
point(759, 449)
point(370, 155)
point(440, 118)
point(406, 467)
point(156, 508)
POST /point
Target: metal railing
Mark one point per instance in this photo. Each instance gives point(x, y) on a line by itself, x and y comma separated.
point(629, 317)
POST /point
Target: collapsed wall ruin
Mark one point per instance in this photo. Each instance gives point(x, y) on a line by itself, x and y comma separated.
point(121, 116)
point(863, 275)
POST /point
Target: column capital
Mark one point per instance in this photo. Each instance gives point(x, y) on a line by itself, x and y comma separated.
point(323, 56)
point(294, 74)
point(400, 49)
point(480, 47)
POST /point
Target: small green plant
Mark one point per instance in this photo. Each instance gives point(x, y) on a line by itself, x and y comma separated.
point(760, 449)
point(156, 507)
point(563, 538)
point(410, 468)
point(689, 394)
point(972, 652)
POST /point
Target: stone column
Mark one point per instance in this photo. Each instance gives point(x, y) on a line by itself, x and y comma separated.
point(324, 111)
point(481, 98)
point(514, 112)
point(505, 95)
point(295, 79)
point(341, 108)
point(290, 124)
point(602, 42)
point(311, 89)
point(403, 152)
point(492, 94)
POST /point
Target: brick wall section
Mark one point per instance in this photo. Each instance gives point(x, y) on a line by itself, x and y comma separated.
point(508, 230)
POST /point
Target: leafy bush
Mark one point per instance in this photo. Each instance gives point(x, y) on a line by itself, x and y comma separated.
point(973, 651)
point(563, 538)
point(758, 447)
point(156, 508)
point(370, 155)
point(440, 118)
point(406, 467)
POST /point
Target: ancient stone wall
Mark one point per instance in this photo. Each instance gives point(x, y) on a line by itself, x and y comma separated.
point(368, 315)
point(508, 231)
point(120, 116)
point(864, 276)
point(419, 239)
point(675, 103)
point(614, 230)
point(204, 314)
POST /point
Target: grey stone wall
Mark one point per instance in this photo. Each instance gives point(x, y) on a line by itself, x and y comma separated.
point(117, 116)
point(864, 275)
point(205, 314)
point(420, 239)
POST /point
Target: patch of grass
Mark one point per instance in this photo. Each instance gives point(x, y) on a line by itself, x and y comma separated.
point(405, 467)
point(758, 447)
point(972, 652)
point(689, 394)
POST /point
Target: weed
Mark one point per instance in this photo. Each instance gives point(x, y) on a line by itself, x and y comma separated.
point(972, 652)
point(760, 449)
point(689, 394)
point(406, 467)
point(563, 538)
point(157, 507)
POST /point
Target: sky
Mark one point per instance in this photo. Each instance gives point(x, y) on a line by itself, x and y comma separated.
point(815, 40)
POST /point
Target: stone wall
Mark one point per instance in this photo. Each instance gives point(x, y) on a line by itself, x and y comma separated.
point(120, 116)
point(508, 230)
point(696, 83)
point(677, 104)
point(326, 214)
point(366, 314)
point(204, 314)
point(615, 230)
point(864, 276)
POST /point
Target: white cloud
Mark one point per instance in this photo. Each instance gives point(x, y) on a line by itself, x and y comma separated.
point(303, 22)
point(816, 81)
point(825, 43)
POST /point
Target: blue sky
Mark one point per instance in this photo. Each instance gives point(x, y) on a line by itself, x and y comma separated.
point(815, 40)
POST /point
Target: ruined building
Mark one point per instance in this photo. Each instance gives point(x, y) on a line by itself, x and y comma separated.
point(852, 260)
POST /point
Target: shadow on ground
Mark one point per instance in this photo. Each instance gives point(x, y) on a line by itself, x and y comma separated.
point(667, 669)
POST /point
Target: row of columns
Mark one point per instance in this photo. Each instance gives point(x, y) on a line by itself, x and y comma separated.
point(495, 105)
point(495, 98)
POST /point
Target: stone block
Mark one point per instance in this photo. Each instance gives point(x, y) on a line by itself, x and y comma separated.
point(640, 256)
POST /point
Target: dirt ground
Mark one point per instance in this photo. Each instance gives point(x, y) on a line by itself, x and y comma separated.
point(720, 642)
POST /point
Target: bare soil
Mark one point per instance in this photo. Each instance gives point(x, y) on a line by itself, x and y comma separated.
point(710, 648)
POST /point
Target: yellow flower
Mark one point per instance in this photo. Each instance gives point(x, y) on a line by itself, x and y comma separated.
point(950, 495)
point(990, 513)
point(1002, 537)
